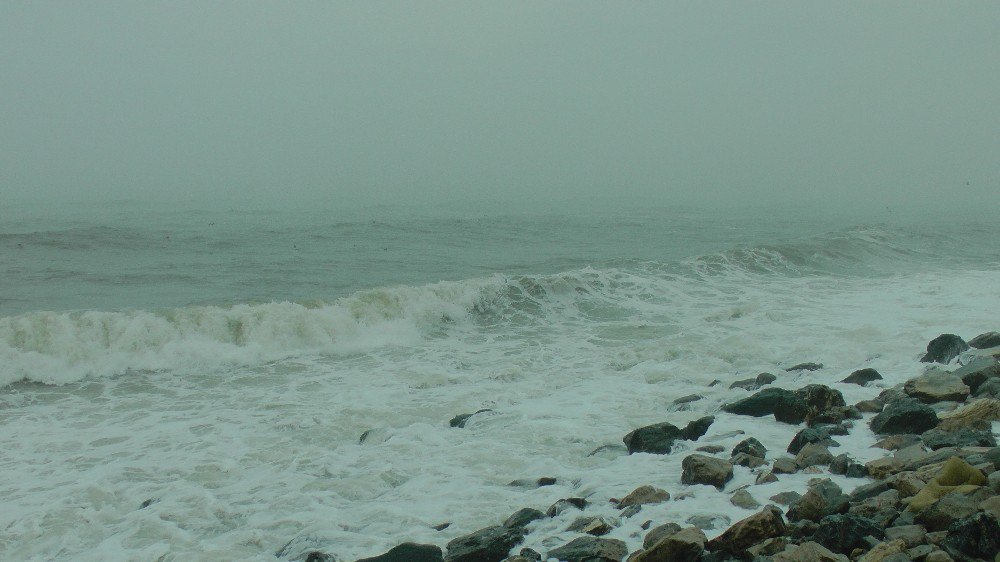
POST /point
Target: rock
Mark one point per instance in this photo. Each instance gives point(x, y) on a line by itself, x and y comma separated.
point(522, 517)
point(748, 461)
point(766, 478)
point(896, 442)
point(409, 552)
point(942, 513)
point(955, 475)
point(986, 340)
point(765, 524)
point(701, 469)
point(644, 495)
point(977, 414)
point(978, 371)
point(882, 509)
point(844, 533)
point(813, 454)
point(656, 534)
point(688, 398)
point(821, 499)
point(821, 399)
point(590, 549)
point(884, 550)
point(938, 438)
point(742, 498)
point(769, 547)
point(993, 481)
point(711, 449)
point(811, 435)
point(883, 467)
point(533, 482)
point(944, 348)
point(785, 498)
point(657, 439)
point(565, 504)
point(750, 446)
point(808, 552)
point(317, 556)
point(863, 492)
point(938, 556)
point(609, 451)
point(937, 386)
point(989, 389)
point(842, 464)
point(631, 510)
point(976, 536)
point(904, 416)
point(784, 465)
point(491, 544)
point(911, 535)
point(869, 406)
point(708, 522)
point(681, 546)
point(596, 526)
point(695, 429)
point(771, 401)
point(991, 505)
point(459, 420)
point(804, 367)
point(862, 377)
point(760, 380)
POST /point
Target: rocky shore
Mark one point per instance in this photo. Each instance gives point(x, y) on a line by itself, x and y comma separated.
point(932, 494)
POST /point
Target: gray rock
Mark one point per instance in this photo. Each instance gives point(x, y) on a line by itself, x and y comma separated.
point(749, 461)
point(522, 517)
point(808, 552)
point(563, 505)
point(711, 449)
point(681, 546)
point(912, 535)
point(657, 439)
point(813, 454)
point(688, 398)
point(882, 509)
point(811, 435)
point(865, 491)
point(844, 533)
point(805, 367)
point(905, 416)
point(841, 464)
point(978, 371)
point(869, 406)
point(590, 549)
point(950, 508)
point(409, 552)
point(644, 495)
point(989, 389)
point(937, 386)
point(591, 525)
point(491, 544)
point(784, 465)
point(993, 481)
point(821, 499)
point(708, 522)
point(765, 524)
point(778, 401)
point(742, 498)
point(461, 419)
point(944, 348)
point(976, 536)
point(656, 534)
point(766, 478)
point(701, 469)
point(695, 429)
point(862, 377)
point(760, 380)
point(962, 437)
point(986, 340)
point(750, 446)
point(317, 556)
point(938, 556)
point(786, 498)
point(825, 404)
point(896, 442)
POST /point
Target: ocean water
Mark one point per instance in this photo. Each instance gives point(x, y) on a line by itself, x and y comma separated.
point(182, 385)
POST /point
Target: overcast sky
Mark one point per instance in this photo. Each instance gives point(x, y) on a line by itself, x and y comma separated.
point(370, 102)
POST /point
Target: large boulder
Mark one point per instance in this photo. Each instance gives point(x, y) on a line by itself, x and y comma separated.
point(950, 508)
point(963, 437)
point(978, 371)
point(681, 546)
point(813, 454)
point(823, 402)
point(985, 341)
point(750, 446)
point(823, 498)
point(784, 404)
point(944, 348)
point(843, 533)
point(937, 386)
point(863, 377)
point(696, 428)
point(977, 536)
point(409, 552)
point(590, 549)
point(491, 544)
point(657, 439)
point(702, 469)
point(906, 415)
point(809, 435)
point(747, 532)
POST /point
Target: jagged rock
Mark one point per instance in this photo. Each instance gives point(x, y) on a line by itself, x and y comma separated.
point(844, 533)
point(707, 522)
point(865, 491)
point(657, 439)
point(881, 468)
point(977, 414)
point(656, 534)
point(522, 517)
point(317, 556)
point(989, 389)
point(976, 536)
point(461, 419)
point(644, 495)
point(906, 483)
point(766, 478)
point(811, 435)
point(712, 449)
point(784, 465)
point(978, 371)
point(813, 454)
point(749, 461)
point(941, 514)
point(769, 547)
point(911, 535)
point(842, 464)
point(993, 481)
point(701, 469)
point(804, 367)
point(742, 498)
point(681, 546)
point(991, 505)
point(938, 438)
point(778, 401)
point(938, 556)
point(808, 552)
point(821, 499)
point(944, 348)
point(590, 549)
point(760, 380)
point(882, 509)
point(564, 505)
point(883, 551)
point(750, 446)
point(862, 377)
point(687, 399)
point(937, 386)
point(825, 404)
point(533, 482)
point(695, 429)
point(899, 441)
point(785, 498)
point(869, 406)
point(596, 526)
point(986, 340)
point(491, 544)
point(631, 510)
point(609, 451)
point(409, 552)
point(905, 416)
point(765, 524)
point(955, 475)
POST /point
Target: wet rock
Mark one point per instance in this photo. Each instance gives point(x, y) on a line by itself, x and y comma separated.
point(978, 371)
point(938, 556)
point(942, 513)
point(884, 551)
point(701, 469)
point(769, 547)
point(760, 380)
point(813, 454)
point(955, 476)
point(811, 435)
point(765, 524)
point(784, 465)
point(656, 534)
point(911, 535)
point(904, 416)
point(993, 481)
point(906, 483)
point(883, 467)
point(937, 386)
point(844, 533)
point(821, 499)
point(766, 478)
point(989, 389)
point(708, 522)
point(461, 419)
point(882, 509)
point(986, 340)
point(842, 464)
point(681, 546)
point(491, 544)
point(533, 482)
point(825, 404)
point(977, 414)
point(596, 526)
point(631, 510)
point(863, 492)
point(750, 446)
point(808, 552)
point(687, 399)
point(771, 401)
point(869, 406)
point(712, 449)
point(590, 549)
point(938, 438)
point(748, 461)
point(695, 429)
point(317, 556)
point(565, 504)
point(644, 495)
point(786, 498)
point(804, 367)
point(742, 498)
point(409, 552)
point(522, 517)
point(609, 451)
point(896, 442)
point(657, 439)
point(862, 377)
point(976, 536)
point(944, 348)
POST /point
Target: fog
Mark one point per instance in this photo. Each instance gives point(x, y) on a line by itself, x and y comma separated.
point(814, 104)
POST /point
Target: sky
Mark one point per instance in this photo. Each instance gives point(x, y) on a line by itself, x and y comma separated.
point(334, 103)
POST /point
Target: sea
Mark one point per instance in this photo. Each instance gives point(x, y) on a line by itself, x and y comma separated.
point(186, 383)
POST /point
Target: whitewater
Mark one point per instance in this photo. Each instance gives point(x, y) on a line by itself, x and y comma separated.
point(195, 385)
